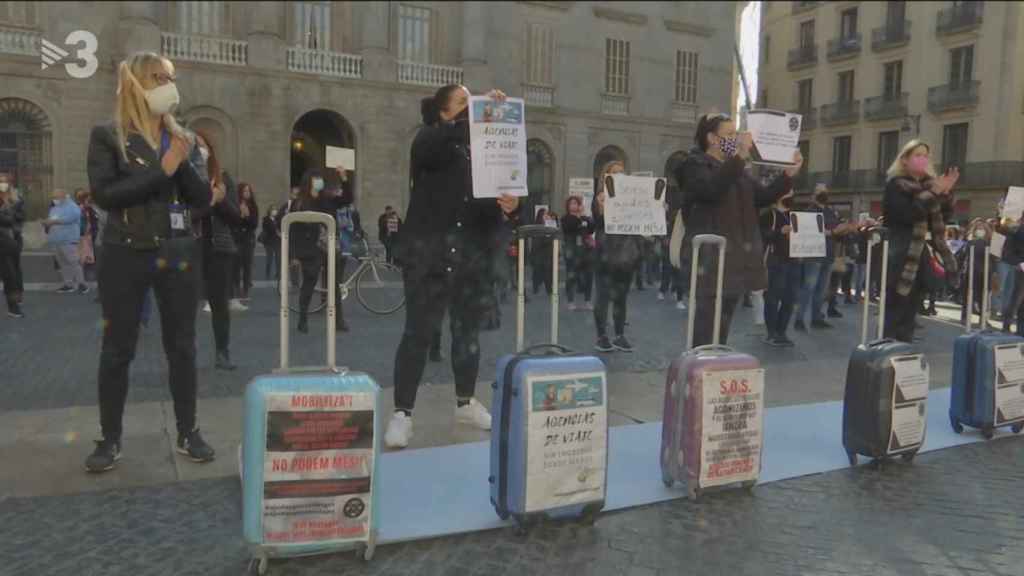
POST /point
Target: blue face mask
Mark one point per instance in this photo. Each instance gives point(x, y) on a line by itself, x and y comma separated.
point(318, 184)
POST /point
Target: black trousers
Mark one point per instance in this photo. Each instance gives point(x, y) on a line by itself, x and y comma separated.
point(671, 277)
point(19, 278)
point(783, 286)
point(217, 273)
point(901, 311)
point(310, 276)
point(125, 276)
point(243, 267)
point(273, 265)
point(8, 278)
point(703, 328)
point(612, 289)
point(580, 274)
point(1015, 307)
point(428, 296)
point(542, 272)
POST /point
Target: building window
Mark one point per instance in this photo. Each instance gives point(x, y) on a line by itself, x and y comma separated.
point(961, 65)
point(954, 145)
point(848, 24)
point(766, 55)
point(845, 93)
point(540, 50)
point(616, 66)
point(686, 77)
point(888, 148)
point(807, 35)
point(414, 29)
point(895, 14)
point(18, 13)
point(805, 94)
point(202, 18)
point(312, 25)
point(893, 86)
point(841, 147)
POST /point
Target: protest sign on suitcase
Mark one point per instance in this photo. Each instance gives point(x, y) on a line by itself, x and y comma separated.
point(311, 445)
point(549, 443)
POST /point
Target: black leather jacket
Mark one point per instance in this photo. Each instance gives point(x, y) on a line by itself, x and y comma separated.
point(135, 191)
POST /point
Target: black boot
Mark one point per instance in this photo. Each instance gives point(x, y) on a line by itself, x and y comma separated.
point(224, 361)
point(339, 320)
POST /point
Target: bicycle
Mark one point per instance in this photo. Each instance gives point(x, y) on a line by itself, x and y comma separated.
point(378, 285)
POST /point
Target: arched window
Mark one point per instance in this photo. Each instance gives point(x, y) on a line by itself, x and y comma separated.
point(540, 174)
point(25, 152)
point(606, 155)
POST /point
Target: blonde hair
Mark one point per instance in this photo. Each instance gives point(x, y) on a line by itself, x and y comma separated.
point(897, 168)
point(131, 112)
point(608, 168)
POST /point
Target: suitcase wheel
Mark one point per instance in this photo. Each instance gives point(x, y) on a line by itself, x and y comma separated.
point(502, 513)
point(749, 485)
point(523, 524)
point(1016, 428)
point(590, 512)
point(258, 566)
point(957, 426)
point(987, 432)
point(852, 456)
point(693, 493)
point(668, 481)
point(908, 457)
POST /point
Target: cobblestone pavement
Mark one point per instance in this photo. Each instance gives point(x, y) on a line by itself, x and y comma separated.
point(951, 512)
point(51, 356)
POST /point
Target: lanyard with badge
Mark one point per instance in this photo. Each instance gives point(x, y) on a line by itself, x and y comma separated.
point(177, 210)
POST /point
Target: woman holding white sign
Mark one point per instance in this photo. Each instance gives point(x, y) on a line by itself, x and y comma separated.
point(723, 198)
point(446, 248)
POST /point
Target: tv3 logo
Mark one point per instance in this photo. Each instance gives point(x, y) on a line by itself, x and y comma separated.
point(84, 62)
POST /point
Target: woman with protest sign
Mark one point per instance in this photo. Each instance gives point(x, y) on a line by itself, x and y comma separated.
point(616, 258)
point(578, 230)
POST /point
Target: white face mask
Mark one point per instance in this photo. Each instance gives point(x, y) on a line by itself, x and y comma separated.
point(204, 153)
point(4, 186)
point(163, 99)
point(318, 184)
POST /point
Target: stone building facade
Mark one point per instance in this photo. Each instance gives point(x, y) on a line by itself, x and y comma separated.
point(277, 81)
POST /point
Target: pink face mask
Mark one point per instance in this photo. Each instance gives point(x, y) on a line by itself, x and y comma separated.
point(918, 163)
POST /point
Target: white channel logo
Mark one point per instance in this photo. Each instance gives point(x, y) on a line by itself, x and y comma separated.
point(84, 62)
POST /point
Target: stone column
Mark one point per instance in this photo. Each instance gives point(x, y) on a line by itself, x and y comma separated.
point(478, 77)
point(139, 28)
point(266, 34)
point(379, 64)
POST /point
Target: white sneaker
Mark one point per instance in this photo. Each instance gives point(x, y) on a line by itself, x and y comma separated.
point(237, 306)
point(473, 414)
point(207, 307)
point(399, 431)
point(661, 296)
point(681, 305)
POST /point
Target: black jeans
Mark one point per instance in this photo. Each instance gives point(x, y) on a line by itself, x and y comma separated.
point(273, 264)
point(542, 272)
point(125, 276)
point(612, 289)
point(427, 297)
point(780, 298)
point(703, 329)
point(8, 278)
point(310, 276)
point(243, 267)
point(580, 274)
point(671, 277)
point(19, 278)
point(901, 311)
point(217, 271)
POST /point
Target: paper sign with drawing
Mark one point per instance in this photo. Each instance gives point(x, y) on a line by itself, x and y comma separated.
point(635, 206)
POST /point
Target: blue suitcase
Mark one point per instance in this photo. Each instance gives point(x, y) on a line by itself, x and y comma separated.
point(549, 442)
point(311, 447)
point(976, 379)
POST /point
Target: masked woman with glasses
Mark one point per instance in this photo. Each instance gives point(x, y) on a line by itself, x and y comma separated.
point(145, 170)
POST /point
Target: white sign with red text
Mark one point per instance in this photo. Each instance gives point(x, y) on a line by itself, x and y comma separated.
point(733, 427)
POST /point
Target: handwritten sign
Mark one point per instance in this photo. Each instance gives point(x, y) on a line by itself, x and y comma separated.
point(732, 431)
point(635, 206)
point(807, 235)
point(497, 137)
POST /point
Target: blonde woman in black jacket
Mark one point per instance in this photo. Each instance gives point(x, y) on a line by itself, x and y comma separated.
point(145, 170)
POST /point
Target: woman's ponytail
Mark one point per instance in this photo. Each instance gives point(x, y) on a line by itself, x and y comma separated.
point(430, 111)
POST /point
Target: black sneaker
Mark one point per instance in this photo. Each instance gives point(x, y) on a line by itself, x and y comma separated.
point(65, 290)
point(769, 339)
point(783, 342)
point(820, 324)
point(622, 345)
point(14, 310)
point(83, 289)
point(224, 361)
point(604, 345)
point(799, 326)
point(104, 457)
point(193, 446)
point(833, 313)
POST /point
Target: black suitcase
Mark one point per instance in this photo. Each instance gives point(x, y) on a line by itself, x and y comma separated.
point(873, 404)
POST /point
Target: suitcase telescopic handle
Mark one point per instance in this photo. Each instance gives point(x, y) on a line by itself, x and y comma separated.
point(875, 235)
point(332, 246)
point(969, 303)
point(698, 242)
point(542, 232)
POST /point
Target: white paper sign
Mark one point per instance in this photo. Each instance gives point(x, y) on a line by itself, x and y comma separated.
point(340, 158)
point(634, 206)
point(567, 444)
point(732, 427)
point(1013, 208)
point(864, 217)
point(643, 174)
point(909, 402)
point(806, 235)
point(497, 136)
point(776, 136)
point(317, 467)
point(583, 188)
point(1009, 385)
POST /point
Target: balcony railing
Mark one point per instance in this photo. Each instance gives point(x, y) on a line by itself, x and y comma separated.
point(809, 120)
point(615, 104)
point(204, 49)
point(538, 95)
point(324, 63)
point(19, 41)
point(840, 113)
point(890, 36)
point(953, 96)
point(959, 18)
point(801, 7)
point(886, 107)
point(803, 56)
point(841, 48)
point(990, 174)
point(428, 74)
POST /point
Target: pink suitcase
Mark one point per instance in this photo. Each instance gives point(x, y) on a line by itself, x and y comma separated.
point(682, 435)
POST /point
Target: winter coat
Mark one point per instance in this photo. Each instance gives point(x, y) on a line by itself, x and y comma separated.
point(216, 223)
point(68, 229)
point(776, 251)
point(724, 199)
point(614, 252)
point(901, 211)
